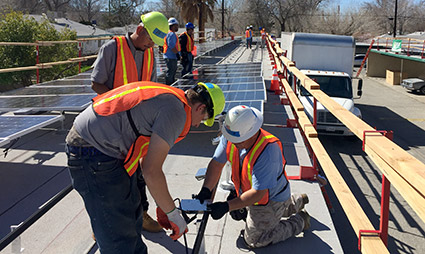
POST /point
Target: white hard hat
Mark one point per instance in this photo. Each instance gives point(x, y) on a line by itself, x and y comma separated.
point(172, 21)
point(247, 27)
point(241, 123)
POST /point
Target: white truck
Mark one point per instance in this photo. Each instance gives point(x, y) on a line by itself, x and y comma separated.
point(328, 60)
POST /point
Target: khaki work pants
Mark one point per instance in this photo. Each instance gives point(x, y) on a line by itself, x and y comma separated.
point(265, 225)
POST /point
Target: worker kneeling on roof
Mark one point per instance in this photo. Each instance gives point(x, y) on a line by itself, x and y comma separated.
point(261, 185)
point(129, 127)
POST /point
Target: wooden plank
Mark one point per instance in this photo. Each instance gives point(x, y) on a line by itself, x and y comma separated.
point(295, 102)
point(45, 43)
point(94, 38)
point(405, 164)
point(18, 44)
point(413, 198)
point(353, 210)
point(83, 58)
point(55, 63)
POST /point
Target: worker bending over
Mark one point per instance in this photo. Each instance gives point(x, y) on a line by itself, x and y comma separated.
point(126, 59)
point(126, 128)
point(260, 181)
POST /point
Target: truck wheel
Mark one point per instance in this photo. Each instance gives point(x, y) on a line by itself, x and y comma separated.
point(422, 90)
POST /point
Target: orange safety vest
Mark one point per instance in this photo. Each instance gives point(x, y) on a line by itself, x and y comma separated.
point(126, 97)
point(263, 33)
point(242, 178)
point(125, 67)
point(166, 46)
point(247, 34)
point(190, 43)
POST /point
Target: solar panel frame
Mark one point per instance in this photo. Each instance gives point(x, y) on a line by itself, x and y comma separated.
point(15, 126)
point(46, 103)
point(48, 90)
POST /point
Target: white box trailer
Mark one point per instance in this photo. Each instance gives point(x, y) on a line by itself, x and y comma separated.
point(327, 59)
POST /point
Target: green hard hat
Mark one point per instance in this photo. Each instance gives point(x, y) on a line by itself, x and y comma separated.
point(217, 98)
point(157, 26)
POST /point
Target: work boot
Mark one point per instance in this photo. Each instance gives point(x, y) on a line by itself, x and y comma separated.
point(150, 224)
point(306, 218)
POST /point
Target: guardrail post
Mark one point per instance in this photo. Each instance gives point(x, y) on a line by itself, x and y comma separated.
point(408, 47)
point(315, 113)
point(37, 51)
point(423, 49)
point(79, 55)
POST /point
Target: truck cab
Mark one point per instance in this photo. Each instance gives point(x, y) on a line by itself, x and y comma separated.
point(338, 86)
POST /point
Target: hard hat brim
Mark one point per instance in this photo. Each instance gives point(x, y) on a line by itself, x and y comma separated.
point(242, 138)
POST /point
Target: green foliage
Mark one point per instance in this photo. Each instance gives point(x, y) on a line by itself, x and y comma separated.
point(15, 27)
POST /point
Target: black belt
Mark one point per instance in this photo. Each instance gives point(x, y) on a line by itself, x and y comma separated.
point(83, 151)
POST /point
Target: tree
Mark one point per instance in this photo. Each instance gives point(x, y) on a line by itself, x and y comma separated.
point(123, 12)
point(86, 9)
point(202, 10)
point(15, 27)
point(56, 5)
point(380, 15)
point(169, 8)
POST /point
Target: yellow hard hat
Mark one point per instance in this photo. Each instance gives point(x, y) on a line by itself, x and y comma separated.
point(157, 26)
point(217, 99)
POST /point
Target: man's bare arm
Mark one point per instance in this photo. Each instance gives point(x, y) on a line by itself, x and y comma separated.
point(213, 174)
point(247, 198)
point(153, 174)
point(99, 88)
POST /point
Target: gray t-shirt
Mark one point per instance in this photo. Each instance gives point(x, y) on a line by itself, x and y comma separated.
point(113, 135)
point(104, 66)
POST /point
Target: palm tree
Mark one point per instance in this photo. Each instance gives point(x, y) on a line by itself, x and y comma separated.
point(202, 10)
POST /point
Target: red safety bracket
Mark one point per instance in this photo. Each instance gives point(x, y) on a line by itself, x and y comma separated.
point(388, 134)
point(291, 123)
point(370, 233)
point(306, 173)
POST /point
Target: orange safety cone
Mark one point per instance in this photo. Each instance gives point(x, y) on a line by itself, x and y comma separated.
point(275, 81)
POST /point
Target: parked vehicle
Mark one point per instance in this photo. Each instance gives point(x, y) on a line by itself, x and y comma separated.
point(414, 84)
point(358, 59)
point(327, 59)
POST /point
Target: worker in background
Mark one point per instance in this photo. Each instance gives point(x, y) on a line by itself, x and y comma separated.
point(248, 36)
point(261, 185)
point(171, 51)
point(127, 59)
point(263, 36)
point(129, 128)
point(187, 43)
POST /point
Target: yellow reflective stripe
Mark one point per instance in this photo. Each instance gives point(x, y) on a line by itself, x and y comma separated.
point(124, 69)
point(232, 149)
point(189, 41)
point(137, 158)
point(148, 76)
point(131, 91)
point(252, 155)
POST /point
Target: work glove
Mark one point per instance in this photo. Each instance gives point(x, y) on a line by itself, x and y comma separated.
point(239, 214)
point(218, 209)
point(173, 220)
point(203, 195)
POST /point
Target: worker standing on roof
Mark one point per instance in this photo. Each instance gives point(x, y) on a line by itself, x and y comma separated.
point(127, 59)
point(261, 185)
point(187, 43)
point(171, 51)
point(131, 127)
point(263, 36)
point(248, 36)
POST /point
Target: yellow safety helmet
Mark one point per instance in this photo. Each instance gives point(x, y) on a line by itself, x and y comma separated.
point(217, 101)
point(214, 100)
point(157, 26)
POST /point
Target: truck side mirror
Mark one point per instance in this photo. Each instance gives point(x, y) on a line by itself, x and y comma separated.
point(359, 87)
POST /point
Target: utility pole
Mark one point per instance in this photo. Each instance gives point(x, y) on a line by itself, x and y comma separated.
point(395, 20)
point(222, 18)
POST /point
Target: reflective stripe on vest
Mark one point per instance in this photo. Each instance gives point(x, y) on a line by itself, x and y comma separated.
point(126, 97)
point(166, 45)
point(126, 68)
point(242, 176)
point(189, 42)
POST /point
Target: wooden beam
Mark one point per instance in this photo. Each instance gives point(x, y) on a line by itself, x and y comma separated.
point(295, 102)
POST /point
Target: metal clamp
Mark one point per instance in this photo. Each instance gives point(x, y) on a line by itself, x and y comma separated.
point(388, 134)
point(370, 233)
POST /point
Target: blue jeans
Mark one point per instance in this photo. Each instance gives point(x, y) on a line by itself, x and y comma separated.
point(112, 200)
point(171, 71)
point(187, 63)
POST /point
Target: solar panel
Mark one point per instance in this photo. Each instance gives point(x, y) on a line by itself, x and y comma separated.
point(207, 79)
point(255, 104)
point(12, 127)
point(245, 95)
point(67, 82)
point(59, 102)
point(50, 90)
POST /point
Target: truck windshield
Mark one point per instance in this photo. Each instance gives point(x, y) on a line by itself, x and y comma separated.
point(332, 86)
